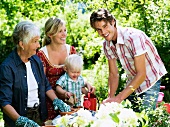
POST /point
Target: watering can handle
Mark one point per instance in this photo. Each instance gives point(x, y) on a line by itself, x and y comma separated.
point(88, 95)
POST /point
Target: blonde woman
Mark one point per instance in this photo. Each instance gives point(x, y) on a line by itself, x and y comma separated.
point(53, 54)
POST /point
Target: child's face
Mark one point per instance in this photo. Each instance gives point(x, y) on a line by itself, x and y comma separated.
point(73, 74)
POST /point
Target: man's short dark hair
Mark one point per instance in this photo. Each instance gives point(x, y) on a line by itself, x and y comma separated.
point(101, 14)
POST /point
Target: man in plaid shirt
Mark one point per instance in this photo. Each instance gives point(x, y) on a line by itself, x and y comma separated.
point(137, 55)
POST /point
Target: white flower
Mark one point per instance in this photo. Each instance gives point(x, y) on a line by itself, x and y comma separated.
point(84, 114)
point(109, 115)
point(108, 108)
point(79, 122)
point(83, 119)
point(128, 118)
point(104, 123)
point(63, 121)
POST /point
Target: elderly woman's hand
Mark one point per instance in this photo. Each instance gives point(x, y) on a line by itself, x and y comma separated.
point(59, 104)
point(25, 122)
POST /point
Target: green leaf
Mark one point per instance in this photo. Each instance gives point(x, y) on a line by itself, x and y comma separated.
point(115, 118)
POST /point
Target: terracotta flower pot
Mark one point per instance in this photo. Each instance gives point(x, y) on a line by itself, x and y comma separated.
point(73, 110)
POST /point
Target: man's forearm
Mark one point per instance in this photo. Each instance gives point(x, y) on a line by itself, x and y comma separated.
point(113, 85)
point(132, 86)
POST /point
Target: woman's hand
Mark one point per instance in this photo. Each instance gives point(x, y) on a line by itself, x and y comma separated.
point(24, 121)
point(59, 104)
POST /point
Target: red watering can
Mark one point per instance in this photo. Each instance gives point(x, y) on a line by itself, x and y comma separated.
point(90, 101)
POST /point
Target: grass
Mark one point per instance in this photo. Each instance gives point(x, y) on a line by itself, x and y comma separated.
point(1, 115)
point(1, 119)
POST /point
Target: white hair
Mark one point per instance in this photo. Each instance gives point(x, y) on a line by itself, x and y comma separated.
point(25, 31)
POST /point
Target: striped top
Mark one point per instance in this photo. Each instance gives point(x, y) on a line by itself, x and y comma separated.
point(131, 43)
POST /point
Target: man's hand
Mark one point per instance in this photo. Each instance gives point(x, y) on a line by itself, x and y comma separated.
point(25, 122)
point(59, 104)
point(112, 99)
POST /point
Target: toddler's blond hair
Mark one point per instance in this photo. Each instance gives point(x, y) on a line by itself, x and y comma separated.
point(74, 62)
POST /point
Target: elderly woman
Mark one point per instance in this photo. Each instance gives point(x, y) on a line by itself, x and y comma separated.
point(23, 84)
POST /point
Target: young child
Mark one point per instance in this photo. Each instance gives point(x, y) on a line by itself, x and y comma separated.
point(71, 84)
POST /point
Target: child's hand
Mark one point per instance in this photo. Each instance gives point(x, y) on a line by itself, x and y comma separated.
point(68, 94)
point(90, 88)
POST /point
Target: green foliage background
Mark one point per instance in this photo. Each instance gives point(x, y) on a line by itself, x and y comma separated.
point(151, 16)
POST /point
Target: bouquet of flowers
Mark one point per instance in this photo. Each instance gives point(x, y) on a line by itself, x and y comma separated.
point(110, 115)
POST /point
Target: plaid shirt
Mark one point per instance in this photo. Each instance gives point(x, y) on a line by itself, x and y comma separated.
point(131, 43)
point(71, 86)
